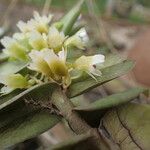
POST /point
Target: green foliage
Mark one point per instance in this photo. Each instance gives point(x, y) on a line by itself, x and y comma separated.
point(128, 126)
point(108, 73)
point(25, 127)
point(26, 113)
point(94, 111)
point(24, 116)
point(70, 18)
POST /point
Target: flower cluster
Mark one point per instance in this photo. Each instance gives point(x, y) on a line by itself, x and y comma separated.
point(44, 47)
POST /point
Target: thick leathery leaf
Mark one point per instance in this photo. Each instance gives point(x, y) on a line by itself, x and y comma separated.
point(129, 126)
point(10, 67)
point(111, 59)
point(25, 115)
point(70, 18)
point(37, 91)
point(112, 100)
point(84, 142)
point(94, 111)
point(26, 127)
point(108, 74)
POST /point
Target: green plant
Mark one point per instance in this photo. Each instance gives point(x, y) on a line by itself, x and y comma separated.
point(38, 80)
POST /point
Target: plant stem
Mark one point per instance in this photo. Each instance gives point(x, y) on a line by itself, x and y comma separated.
point(77, 124)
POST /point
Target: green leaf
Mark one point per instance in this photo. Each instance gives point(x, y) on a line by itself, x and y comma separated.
point(10, 67)
point(112, 100)
point(76, 28)
point(108, 73)
point(82, 142)
point(23, 117)
point(129, 126)
point(94, 111)
point(70, 18)
point(36, 91)
point(111, 59)
point(26, 127)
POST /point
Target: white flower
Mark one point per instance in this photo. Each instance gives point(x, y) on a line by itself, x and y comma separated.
point(74, 41)
point(14, 49)
point(37, 41)
point(39, 23)
point(39, 64)
point(12, 82)
point(51, 65)
point(55, 39)
point(56, 62)
point(23, 39)
point(42, 19)
point(89, 64)
point(24, 27)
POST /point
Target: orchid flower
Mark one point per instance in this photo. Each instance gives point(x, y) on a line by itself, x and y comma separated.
point(74, 41)
point(55, 39)
point(12, 82)
point(51, 65)
point(23, 39)
point(37, 41)
point(14, 49)
point(89, 64)
point(39, 23)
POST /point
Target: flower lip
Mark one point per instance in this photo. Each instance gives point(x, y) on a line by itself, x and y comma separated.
point(96, 59)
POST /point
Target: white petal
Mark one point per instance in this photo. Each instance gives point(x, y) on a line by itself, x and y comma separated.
point(33, 66)
point(53, 30)
point(37, 41)
point(74, 41)
point(96, 59)
point(49, 55)
point(36, 15)
point(35, 55)
point(19, 36)
point(23, 26)
point(62, 54)
point(6, 90)
point(7, 41)
point(42, 19)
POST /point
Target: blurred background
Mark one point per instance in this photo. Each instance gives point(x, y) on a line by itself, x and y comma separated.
point(121, 27)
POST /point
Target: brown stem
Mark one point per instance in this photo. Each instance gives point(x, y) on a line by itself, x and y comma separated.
point(77, 124)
